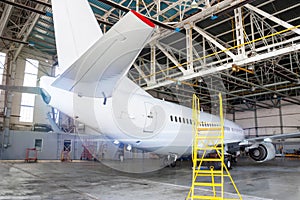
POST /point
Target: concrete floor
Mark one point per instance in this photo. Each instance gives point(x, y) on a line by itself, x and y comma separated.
point(277, 179)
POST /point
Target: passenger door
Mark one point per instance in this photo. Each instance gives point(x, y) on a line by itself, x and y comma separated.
point(151, 118)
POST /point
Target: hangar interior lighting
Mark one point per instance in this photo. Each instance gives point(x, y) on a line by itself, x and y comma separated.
point(194, 4)
point(116, 142)
point(129, 147)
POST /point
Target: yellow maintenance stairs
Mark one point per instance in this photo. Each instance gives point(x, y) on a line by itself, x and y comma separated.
point(209, 169)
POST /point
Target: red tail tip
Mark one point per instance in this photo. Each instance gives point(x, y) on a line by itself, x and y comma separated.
point(143, 18)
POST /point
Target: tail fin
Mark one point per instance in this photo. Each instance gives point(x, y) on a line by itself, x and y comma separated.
point(80, 29)
point(101, 67)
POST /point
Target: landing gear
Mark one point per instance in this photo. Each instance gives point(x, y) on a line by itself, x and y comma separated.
point(228, 160)
point(169, 160)
point(173, 164)
point(228, 163)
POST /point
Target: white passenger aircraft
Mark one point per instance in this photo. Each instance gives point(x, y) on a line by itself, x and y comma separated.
point(94, 88)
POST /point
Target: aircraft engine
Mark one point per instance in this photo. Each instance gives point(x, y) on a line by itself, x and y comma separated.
point(263, 152)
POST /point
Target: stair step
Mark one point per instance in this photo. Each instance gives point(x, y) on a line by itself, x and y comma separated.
point(208, 137)
point(209, 128)
point(209, 159)
point(209, 148)
point(208, 184)
point(207, 171)
point(208, 197)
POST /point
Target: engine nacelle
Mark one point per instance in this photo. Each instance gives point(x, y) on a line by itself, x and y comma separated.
point(263, 152)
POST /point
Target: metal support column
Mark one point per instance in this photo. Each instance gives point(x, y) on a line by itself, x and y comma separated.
point(158, 9)
point(10, 79)
point(233, 116)
point(5, 17)
point(137, 3)
point(189, 47)
point(280, 116)
point(255, 120)
point(239, 30)
point(153, 64)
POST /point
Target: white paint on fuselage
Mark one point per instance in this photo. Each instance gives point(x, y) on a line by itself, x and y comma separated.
point(134, 117)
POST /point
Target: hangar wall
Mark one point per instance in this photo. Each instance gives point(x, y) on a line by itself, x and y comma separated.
point(40, 108)
point(269, 120)
point(52, 144)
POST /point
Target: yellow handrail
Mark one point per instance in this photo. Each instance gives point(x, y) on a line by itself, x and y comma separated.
point(202, 138)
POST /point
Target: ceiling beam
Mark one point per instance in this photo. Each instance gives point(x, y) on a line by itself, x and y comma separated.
point(141, 73)
point(169, 56)
point(264, 88)
point(13, 40)
point(173, 5)
point(43, 3)
point(27, 28)
point(125, 9)
point(4, 18)
point(272, 18)
point(215, 42)
point(22, 6)
point(246, 61)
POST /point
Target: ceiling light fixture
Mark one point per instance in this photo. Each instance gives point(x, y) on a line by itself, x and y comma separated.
point(116, 142)
point(194, 4)
point(129, 147)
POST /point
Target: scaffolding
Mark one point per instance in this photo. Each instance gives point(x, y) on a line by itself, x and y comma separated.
point(209, 171)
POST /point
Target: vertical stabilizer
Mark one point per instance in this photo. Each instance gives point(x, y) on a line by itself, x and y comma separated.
point(76, 30)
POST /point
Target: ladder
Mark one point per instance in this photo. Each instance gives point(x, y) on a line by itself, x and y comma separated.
point(208, 182)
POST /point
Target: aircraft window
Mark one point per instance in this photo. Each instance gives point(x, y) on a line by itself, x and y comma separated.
point(179, 119)
point(187, 121)
point(191, 121)
point(175, 119)
point(183, 120)
point(171, 117)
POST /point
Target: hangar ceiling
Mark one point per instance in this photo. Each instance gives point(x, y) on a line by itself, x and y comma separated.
point(247, 49)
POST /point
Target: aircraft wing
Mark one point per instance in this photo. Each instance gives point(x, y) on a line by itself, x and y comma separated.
point(269, 138)
point(99, 69)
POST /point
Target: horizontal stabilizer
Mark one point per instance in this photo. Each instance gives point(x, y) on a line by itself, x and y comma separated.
point(99, 69)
